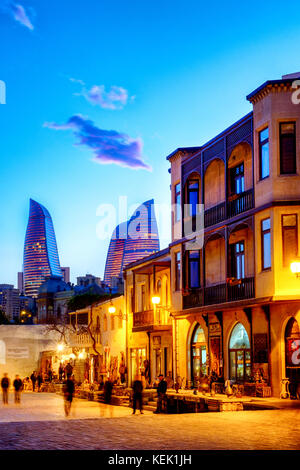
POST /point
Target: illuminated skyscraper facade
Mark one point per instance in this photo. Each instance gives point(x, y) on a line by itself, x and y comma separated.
point(132, 240)
point(40, 251)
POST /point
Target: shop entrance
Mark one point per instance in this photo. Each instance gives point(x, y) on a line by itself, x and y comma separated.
point(198, 354)
point(239, 354)
point(292, 355)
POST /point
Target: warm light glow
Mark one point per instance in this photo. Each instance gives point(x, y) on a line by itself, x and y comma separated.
point(60, 347)
point(295, 267)
point(112, 309)
point(155, 300)
point(72, 356)
point(80, 355)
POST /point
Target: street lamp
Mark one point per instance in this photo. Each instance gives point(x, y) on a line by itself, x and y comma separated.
point(111, 309)
point(295, 267)
point(60, 347)
point(155, 300)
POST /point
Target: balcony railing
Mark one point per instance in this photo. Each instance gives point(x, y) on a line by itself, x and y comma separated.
point(244, 290)
point(194, 298)
point(238, 204)
point(215, 214)
point(241, 203)
point(220, 293)
point(145, 318)
point(150, 317)
point(215, 294)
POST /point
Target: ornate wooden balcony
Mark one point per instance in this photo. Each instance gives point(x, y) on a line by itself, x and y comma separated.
point(220, 293)
point(215, 214)
point(194, 298)
point(141, 319)
point(215, 294)
point(240, 203)
point(243, 290)
point(151, 320)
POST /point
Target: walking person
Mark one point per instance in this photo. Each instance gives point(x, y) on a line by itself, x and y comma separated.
point(137, 394)
point(108, 387)
point(60, 372)
point(33, 380)
point(69, 389)
point(5, 387)
point(39, 381)
point(18, 385)
point(161, 393)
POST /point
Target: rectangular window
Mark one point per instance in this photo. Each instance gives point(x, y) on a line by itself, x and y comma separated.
point(194, 269)
point(177, 202)
point(264, 160)
point(289, 238)
point(266, 243)
point(177, 270)
point(193, 197)
point(238, 260)
point(143, 298)
point(287, 132)
point(237, 180)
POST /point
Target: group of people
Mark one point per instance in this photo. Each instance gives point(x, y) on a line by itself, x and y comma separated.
point(17, 385)
point(138, 394)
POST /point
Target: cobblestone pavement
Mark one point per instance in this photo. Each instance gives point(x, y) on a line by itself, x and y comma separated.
point(39, 423)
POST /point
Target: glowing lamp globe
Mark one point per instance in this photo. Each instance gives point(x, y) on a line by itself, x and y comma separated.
point(295, 267)
point(112, 309)
point(155, 300)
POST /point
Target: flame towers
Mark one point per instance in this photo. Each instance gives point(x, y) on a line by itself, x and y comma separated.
point(132, 241)
point(40, 251)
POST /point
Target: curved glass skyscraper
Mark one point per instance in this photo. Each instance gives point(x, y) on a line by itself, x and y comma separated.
point(132, 240)
point(40, 250)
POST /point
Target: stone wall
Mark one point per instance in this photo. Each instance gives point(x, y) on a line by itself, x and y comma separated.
point(21, 347)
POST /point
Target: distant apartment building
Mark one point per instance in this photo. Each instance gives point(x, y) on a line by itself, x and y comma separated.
point(9, 301)
point(66, 274)
point(21, 282)
point(88, 280)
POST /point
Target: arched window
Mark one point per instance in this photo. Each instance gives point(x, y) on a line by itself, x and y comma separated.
point(198, 355)
point(239, 354)
point(98, 324)
point(105, 322)
point(112, 322)
point(292, 354)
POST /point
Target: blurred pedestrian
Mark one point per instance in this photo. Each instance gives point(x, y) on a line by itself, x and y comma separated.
point(60, 372)
point(33, 380)
point(39, 380)
point(137, 394)
point(18, 385)
point(5, 387)
point(108, 387)
point(50, 374)
point(69, 389)
point(161, 393)
point(68, 369)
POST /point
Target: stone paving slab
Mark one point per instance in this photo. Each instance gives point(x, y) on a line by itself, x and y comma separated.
point(243, 430)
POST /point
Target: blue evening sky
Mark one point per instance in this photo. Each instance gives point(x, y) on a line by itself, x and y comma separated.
point(187, 68)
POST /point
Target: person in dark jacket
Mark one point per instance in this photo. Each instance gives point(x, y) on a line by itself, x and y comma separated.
point(69, 389)
point(108, 387)
point(33, 380)
point(137, 394)
point(18, 385)
point(161, 393)
point(5, 387)
point(39, 381)
point(60, 372)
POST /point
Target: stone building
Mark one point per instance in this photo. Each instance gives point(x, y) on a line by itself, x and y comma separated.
point(98, 341)
point(235, 232)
